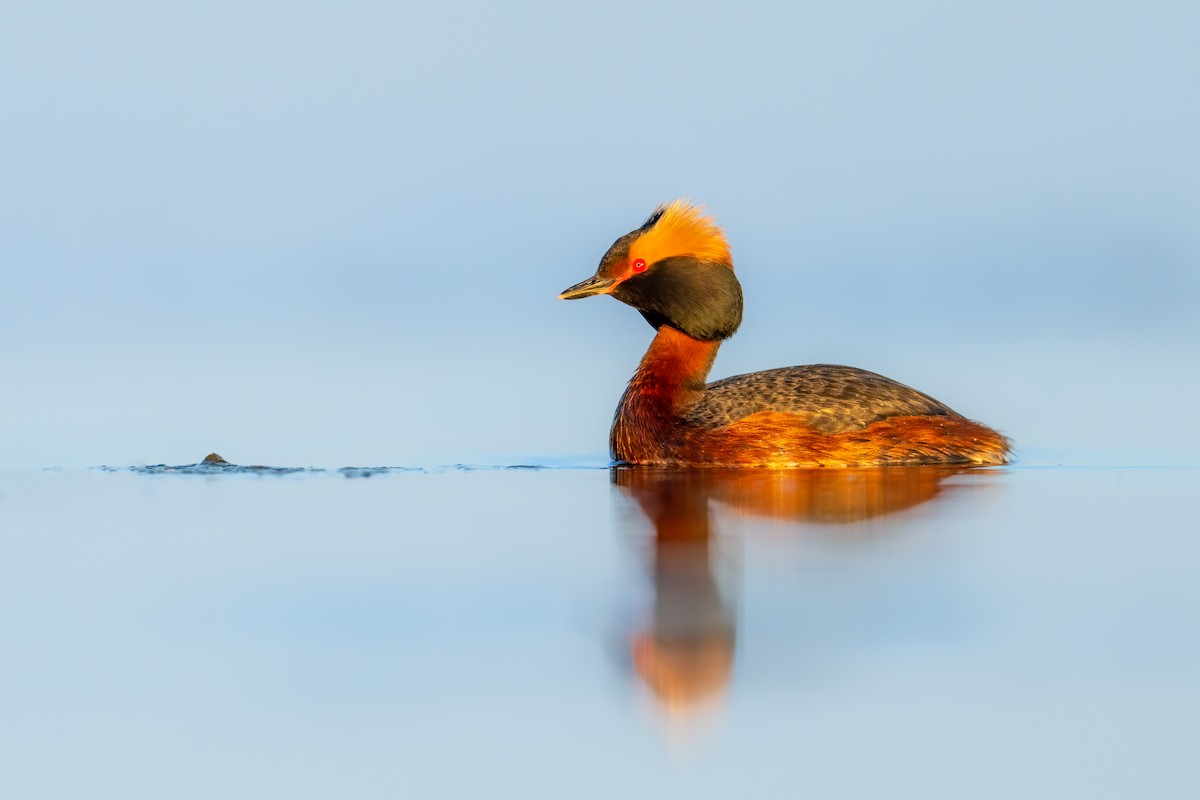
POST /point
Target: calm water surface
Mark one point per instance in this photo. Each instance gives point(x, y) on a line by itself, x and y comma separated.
point(1018, 632)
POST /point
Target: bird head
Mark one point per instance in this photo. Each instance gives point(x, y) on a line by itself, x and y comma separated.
point(676, 269)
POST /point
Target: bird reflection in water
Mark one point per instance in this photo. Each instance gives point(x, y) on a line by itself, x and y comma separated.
point(685, 654)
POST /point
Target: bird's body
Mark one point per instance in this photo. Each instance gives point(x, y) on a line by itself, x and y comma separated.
point(676, 269)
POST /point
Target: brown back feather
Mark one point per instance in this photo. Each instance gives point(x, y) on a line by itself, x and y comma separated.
point(832, 399)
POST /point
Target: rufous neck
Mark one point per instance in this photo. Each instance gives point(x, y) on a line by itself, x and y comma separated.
point(675, 367)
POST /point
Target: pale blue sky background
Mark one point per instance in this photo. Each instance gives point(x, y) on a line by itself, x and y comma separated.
point(332, 234)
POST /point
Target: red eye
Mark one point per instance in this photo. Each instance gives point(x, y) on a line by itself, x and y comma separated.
point(639, 265)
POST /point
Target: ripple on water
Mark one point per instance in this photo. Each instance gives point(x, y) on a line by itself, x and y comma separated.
point(213, 464)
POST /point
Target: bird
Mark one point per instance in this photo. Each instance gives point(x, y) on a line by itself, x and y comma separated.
point(677, 270)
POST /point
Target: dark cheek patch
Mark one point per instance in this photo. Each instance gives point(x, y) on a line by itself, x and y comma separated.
point(702, 299)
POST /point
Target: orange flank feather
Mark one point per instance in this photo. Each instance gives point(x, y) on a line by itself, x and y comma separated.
point(777, 439)
point(683, 230)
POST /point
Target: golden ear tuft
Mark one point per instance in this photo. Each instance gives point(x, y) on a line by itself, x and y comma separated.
point(681, 229)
